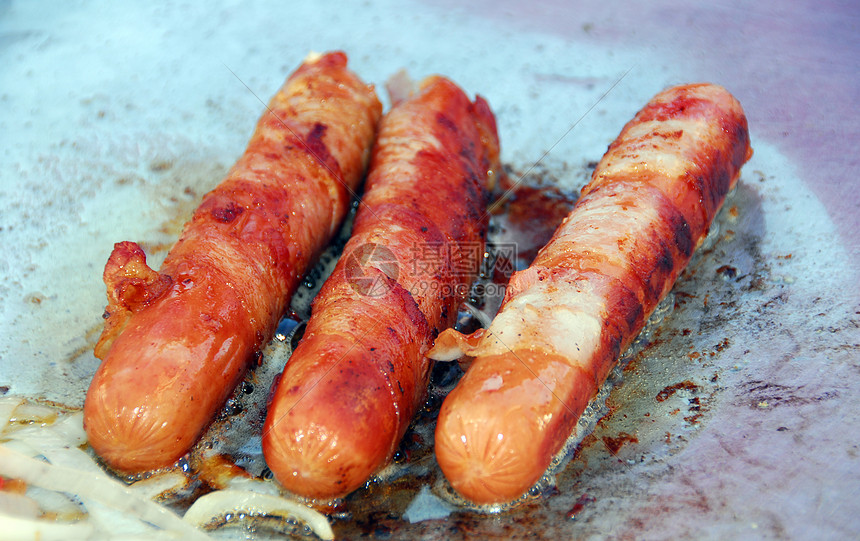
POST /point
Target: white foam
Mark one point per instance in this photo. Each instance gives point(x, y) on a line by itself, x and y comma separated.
point(427, 506)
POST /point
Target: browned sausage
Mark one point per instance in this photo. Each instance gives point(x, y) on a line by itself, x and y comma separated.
point(566, 319)
point(176, 342)
point(351, 387)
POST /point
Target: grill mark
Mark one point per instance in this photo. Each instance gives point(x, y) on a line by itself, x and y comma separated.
point(623, 318)
point(316, 145)
point(443, 120)
point(682, 105)
point(227, 213)
point(681, 235)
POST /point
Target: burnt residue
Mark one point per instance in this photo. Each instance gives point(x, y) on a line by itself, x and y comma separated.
point(728, 272)
point(762, 395)
point(849, 326)
point(614, 444)
point(160, 165)
point(227, 213)
point(672, 389)
point(580, 453)
point(579, 506)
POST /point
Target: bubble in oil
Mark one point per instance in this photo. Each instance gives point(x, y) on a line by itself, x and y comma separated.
point(296, 335)
point(712, 237)
point(232, 407)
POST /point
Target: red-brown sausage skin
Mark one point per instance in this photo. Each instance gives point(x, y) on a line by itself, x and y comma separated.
point(566, 319)
point(354, 382)
point(176, 342)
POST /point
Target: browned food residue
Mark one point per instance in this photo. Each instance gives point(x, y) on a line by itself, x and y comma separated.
point(672, 389)
point(728, 271)
point(580, 504)
point(217, 471)
point(614, 444)
point(693, 419)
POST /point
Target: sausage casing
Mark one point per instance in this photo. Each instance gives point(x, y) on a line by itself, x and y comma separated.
point(177, 341)
point(566, 319)
point(354, 382)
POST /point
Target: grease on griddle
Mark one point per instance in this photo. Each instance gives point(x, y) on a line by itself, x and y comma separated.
point(534, 208)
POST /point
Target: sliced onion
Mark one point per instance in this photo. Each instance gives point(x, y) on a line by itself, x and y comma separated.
point(33, 412)
point(218, 504)
point(59, 505)
point(17, 505)
point(70, 429)
point(159, 484)
point(67, 431)
point(75, 459)
point(21, 447)
point(252, 485)
point(43, 530)
point(7, 409)
point(478, 314)
point(99, 488)
point(107, 520)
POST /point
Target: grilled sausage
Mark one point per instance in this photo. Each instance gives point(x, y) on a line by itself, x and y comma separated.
point(566, 319)
point(176, 342)
point(354, 382)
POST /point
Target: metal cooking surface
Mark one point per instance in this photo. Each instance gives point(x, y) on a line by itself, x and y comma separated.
point(736, 413)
